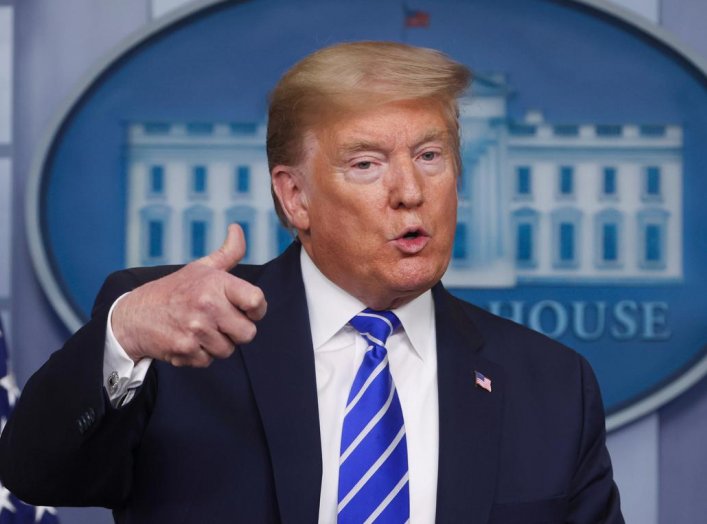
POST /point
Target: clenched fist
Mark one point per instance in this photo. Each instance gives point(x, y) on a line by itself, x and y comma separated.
point(194, 315)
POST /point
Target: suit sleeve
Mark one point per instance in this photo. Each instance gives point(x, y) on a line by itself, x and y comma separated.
point(65, 445)
point(594, 497)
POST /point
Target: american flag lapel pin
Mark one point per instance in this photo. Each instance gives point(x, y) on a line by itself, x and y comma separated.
point(482, 381)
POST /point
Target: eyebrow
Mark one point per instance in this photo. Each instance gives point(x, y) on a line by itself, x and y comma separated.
point(432, 136)
point(358, 146)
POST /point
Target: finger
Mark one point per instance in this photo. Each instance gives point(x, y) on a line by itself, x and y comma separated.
point(230, 252)
point(199, 359)
point(237, 327)
point(216, 344)
point(246, 297)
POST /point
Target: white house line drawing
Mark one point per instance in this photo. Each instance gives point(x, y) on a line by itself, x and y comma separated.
point(539, 202)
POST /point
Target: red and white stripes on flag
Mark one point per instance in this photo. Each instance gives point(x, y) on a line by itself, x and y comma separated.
point(483, 381)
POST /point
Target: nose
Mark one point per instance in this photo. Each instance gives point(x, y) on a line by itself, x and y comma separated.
point(405, 185)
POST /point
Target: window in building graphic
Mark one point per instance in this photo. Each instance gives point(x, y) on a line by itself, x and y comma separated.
point(463, 183)
point(652, 183)
point(243, 128)
point(197, 232)
point(608, 130)
point(242, 179)
point(245, 226)
point(244, 216)
point(566, 130)
point(156, 180)
point(459, 253)
point(525, 227)
point(566, 242)
point(200, 128)
point(524, 182)
point(517, 129)
point(566, 181)
point(608, 184)
point(284, 237)
point(524, 250)
point(607, 242)
point(652, 230)
point(156, 128)
point(280, 235)
point(653, 251)
point(199, 181)
point(652, 131)
point(153, 241)
point(610, 238)
point(566, 238)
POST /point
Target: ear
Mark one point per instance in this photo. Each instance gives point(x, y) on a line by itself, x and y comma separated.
point(289, 186)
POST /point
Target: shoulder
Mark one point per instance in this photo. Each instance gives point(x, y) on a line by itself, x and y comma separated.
point(519, 348)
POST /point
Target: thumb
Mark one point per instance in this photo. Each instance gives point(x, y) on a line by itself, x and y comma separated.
point(230, 252)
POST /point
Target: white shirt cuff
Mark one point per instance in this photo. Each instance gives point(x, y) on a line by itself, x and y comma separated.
point(121, 376)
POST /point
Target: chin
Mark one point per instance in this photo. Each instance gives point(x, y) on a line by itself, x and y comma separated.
point(417, 281)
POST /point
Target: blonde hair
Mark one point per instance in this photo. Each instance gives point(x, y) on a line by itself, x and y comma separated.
point(347, 76)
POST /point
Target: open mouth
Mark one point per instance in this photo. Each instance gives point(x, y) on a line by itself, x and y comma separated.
point(412, 241)
point(411, 233)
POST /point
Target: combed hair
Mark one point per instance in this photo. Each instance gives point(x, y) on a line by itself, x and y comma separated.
point(344, 77)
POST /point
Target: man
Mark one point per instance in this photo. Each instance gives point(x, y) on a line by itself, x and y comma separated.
point(184, 401)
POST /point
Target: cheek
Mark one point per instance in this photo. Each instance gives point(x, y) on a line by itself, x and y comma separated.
point(352, 210)
point(338, 230)
point(446, 207)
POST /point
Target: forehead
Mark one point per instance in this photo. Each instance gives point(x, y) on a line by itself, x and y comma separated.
point(407, 123)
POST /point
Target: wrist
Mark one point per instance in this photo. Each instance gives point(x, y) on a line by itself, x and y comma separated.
point(123, 328)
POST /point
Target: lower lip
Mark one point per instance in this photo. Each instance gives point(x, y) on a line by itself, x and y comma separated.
point(411, 245)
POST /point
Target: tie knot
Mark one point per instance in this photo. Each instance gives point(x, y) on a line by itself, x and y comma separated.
point(375, 326)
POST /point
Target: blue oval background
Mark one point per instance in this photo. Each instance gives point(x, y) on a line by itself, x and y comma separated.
point(577, 64)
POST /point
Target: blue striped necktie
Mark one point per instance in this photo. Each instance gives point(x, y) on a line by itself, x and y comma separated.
point(373, 465)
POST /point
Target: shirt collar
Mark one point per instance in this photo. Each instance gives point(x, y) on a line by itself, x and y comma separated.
point(330, 309)
point(417, 318)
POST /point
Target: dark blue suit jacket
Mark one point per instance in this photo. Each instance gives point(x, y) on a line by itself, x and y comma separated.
point(239, 441)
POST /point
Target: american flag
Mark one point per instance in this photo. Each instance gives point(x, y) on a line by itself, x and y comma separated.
point(12, 509)
point(416, 18)
point(483, 381)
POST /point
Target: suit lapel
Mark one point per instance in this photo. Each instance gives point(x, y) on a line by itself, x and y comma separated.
point(470, 417)
point(280, 364)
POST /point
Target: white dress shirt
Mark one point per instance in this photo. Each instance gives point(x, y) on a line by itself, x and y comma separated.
point(121, 376)
point(338, 352)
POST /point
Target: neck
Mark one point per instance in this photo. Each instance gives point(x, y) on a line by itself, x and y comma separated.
point(372, 296)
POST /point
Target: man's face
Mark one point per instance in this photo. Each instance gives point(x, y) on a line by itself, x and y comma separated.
point(381, 201)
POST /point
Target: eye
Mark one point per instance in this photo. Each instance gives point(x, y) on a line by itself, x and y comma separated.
point(364, 168)
point(429, 156)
